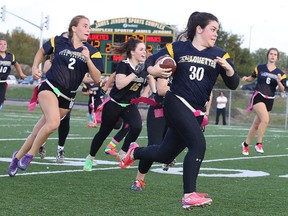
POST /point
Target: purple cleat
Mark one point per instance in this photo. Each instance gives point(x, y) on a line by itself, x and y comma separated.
point(12, 170)
point(25, 161)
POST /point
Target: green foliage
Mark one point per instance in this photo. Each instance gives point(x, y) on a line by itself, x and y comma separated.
point(22, 45)
point(241, 58)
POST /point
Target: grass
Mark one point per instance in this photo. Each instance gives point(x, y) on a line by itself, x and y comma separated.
point(239, 185)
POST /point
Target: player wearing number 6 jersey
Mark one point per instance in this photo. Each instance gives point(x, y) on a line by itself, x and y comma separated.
point(73, 58)
point(269, 77)
point(199, 63)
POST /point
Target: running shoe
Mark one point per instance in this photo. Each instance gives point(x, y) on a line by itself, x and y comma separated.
point(88, 164)
point(202, 194)
point(126, 160)
point(60, 156)
point(91, 125)
point(113, 152)
point(13, 168)
point(138, 185)
point(167, 166)
point(42, 152)
point(194, 200)
point(25, 161)
point(245, 149)
point(259, 148)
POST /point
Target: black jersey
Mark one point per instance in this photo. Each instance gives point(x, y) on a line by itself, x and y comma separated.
point(196, 71)
point(133, 89)
point(69, 66)
point(267, 80)
point(5, 65)
point(94, 87)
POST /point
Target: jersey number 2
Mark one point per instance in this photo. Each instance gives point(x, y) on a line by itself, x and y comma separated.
point(72, 63)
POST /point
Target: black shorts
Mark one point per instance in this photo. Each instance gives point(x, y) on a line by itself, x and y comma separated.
point(268, 102)
point(62, 102)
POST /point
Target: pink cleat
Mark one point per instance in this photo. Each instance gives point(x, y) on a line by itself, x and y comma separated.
point(195, 200)
point(126, 160)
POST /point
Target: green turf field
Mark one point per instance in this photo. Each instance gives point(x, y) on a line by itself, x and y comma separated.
point(238, 185)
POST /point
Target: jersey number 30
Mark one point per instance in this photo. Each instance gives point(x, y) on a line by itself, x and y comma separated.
point(196, 73)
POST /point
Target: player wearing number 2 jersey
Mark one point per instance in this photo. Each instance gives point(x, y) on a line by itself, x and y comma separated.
point(73, 58)
point(199, 63)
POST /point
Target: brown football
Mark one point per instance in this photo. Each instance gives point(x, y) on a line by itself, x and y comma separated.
point(167, 62)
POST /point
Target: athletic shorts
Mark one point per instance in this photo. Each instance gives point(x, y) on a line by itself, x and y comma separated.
point(63, 103)
point(268, 102)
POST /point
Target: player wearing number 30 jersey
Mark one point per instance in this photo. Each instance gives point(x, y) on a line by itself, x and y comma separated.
point(199, 63)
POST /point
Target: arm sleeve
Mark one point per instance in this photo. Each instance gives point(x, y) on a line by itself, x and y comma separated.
point(231, 82)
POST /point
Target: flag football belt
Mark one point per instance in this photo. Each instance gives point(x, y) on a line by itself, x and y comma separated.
point(3, 81)
point(265, 96)
point(146, 100)
point(195, 112)
point(250, 107)
point(58, 92)
point(120, 104)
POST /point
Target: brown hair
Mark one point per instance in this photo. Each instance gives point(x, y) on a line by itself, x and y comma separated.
point(74, 22)
point(275, 49)
point(126, 47)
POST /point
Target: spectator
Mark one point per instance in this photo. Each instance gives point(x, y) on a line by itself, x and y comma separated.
point(221, 101)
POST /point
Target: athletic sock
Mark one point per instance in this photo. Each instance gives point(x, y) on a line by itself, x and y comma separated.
point(113, 143)
point(90, 118)
point(245, 144)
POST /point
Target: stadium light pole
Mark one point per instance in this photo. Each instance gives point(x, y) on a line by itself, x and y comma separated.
point(41, 26)
point(250, 33)
point(3, 13)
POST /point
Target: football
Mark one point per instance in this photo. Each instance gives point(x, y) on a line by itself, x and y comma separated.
point(167, 62)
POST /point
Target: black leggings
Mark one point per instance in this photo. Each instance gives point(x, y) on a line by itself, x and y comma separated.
point(156, 129)
point(184, 132)
point(110, 115)
point(97, 102)
point(63, 129)
point(122, 132)
point(3, 88)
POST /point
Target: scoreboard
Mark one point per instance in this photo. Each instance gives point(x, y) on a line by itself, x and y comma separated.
point(106, 33)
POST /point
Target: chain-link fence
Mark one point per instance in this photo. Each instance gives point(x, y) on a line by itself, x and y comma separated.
point(239, 100)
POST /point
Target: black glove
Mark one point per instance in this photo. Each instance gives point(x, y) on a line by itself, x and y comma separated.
point(139, 68)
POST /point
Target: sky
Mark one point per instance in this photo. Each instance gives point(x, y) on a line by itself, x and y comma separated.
point(262, 24)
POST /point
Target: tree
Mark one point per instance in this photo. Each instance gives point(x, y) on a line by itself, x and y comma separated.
point(241, 58)
point(23, 46)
